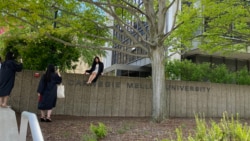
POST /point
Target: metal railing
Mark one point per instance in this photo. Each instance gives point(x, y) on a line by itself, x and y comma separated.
point(36, 132)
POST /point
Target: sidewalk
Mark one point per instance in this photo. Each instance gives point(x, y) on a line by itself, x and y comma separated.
point(8, 125)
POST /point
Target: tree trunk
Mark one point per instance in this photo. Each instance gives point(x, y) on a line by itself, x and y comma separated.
point(160, 96)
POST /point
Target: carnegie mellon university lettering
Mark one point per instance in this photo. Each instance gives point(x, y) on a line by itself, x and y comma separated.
point(108, 84)
point(170, 87)
point(187, 88)
point(139, 85)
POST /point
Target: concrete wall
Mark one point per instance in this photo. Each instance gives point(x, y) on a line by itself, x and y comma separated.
point(132, 97)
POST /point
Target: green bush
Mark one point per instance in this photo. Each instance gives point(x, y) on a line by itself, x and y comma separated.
point(227, 129)
point(220, 74)
point(99, 130)
point(172, 70)
point(199, 72)
point(243, 77)
point(187, 71)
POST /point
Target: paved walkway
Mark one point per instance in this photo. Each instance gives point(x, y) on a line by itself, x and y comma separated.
point(8, 125)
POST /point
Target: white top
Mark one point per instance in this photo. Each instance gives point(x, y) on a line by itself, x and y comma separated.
point(96, 68)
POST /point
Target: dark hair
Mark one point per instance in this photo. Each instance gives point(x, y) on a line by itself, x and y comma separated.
point(94, 62)
point(9, 56)
point(50, 70)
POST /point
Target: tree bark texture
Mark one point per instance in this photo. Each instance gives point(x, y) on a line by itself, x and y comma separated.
point(160, 96)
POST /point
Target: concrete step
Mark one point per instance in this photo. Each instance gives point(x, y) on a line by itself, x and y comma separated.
point(8, 125)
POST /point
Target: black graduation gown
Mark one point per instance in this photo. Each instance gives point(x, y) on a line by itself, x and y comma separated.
point(48, 93)
point(100, 70)
point(7, 76)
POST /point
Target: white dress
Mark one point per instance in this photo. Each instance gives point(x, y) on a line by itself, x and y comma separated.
point(96, 68)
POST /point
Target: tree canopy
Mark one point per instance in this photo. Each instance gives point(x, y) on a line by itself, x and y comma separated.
point(31, 21)
point(217, 24)
point(41, 51)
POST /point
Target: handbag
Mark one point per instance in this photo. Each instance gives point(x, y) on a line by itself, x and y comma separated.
point(60, 91)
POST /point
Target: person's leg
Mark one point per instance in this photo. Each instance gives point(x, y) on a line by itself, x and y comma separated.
point(5, 101)
point(49, 112)
point(91, 77)
point(42, 114)
point(42, 118)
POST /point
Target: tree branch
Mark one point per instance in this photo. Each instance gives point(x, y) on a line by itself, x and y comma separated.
point(94, 47)
point(22, 20)
point(48, 18)
point(122, 23)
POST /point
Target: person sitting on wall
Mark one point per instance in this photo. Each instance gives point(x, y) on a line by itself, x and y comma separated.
point(95, 71)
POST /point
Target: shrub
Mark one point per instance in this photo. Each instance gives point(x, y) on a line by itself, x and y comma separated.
point(99, 130)
point(243, 77)
point(220, 74)
point(200, 72)
point(188, 71)
point(227, 129)
point(172, 70)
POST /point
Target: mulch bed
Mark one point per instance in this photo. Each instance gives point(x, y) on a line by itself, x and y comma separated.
point(75, 128)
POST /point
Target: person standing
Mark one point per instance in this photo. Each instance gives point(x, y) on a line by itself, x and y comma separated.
point(95, 71)
point(47, 92)
point(7, 77)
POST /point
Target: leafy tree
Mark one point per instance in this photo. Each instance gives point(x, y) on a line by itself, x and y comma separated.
point(41, 51)
point(230, 20)
point(217, 26)
point(13, 44)
point(30, 19)
point(144, 24)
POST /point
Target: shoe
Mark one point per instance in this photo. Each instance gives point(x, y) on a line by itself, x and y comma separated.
point(42, 119)
point(48, 120)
